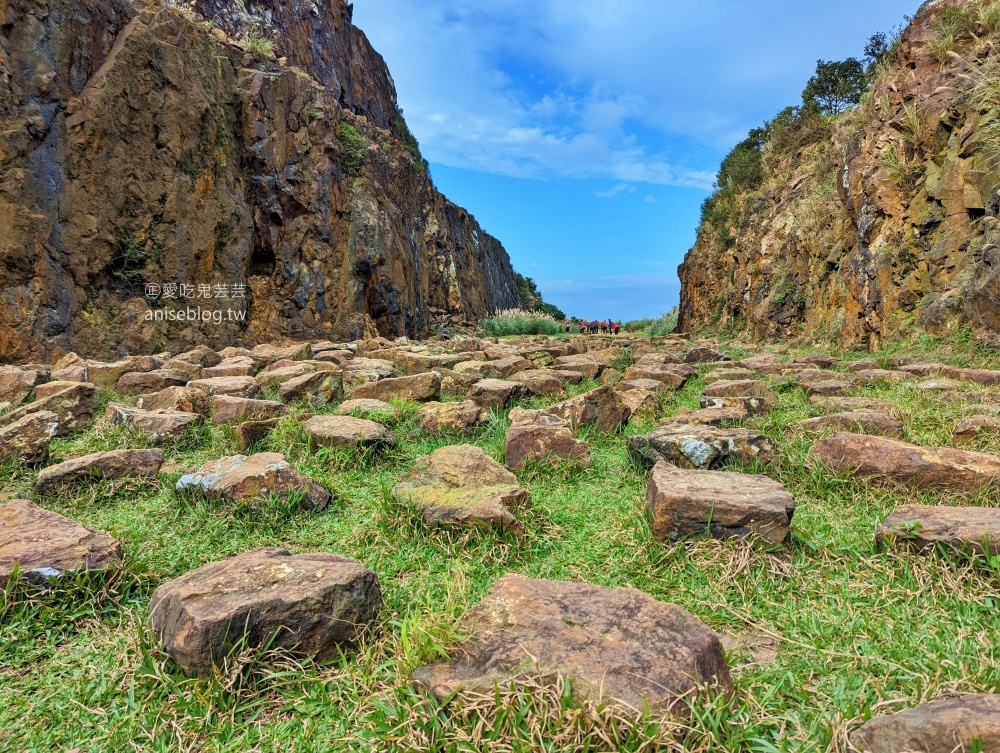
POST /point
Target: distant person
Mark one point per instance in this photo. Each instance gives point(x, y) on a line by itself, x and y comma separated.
point(593, 327)
point(617, 327)
point(583, 326)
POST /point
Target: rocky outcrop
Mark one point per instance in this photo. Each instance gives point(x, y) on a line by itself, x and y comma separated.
point(144, 145)
point(873, 224)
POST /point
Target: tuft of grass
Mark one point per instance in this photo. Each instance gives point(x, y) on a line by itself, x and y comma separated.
point(256, 43)
point(519, 322)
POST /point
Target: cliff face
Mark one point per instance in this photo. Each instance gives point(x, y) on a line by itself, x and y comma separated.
point(876, 223)
point(150, 151)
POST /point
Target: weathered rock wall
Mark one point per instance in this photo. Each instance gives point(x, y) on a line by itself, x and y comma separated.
point(884, 227)
point(146, 144)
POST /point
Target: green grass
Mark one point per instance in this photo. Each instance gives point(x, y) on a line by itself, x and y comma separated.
point(520, 322)
point(852, 631)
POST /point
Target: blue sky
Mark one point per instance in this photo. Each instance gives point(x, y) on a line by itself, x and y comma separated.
point(585, 134)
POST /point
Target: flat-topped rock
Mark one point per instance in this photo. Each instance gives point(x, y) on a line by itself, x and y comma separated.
point(157, 425)
point(710, 416)
point(292, 352)
point(961, 723)
point(741, 388)
point(752, 406)
point(671, 375)
point(645, 384)
point(312, 604)
point(861, 421)
point(912, 465)
point(281, 371)
point(185, 399)
point(846, 404)
point(923, 369)
point(985, 377)
point(43, 544)
point(239, 366)
point(27, 439)
point(17, 383)
point(682, 502)
point(828, 387)
point(460, 485)
point(700, 445)
point(439, 417)
point(72, 402)
point(113, 464)
point(202, 355)
point(822, 360)
point(584, 363)
point(140, 382)
point(539, 382)
point(320, 388)
point(618, 646)
point(235, 386)
point(602, 408)
point(726, 375)
point(193, 371)
point(417, 388)
point(870, 377)
point(704, 355)
point(347, 431)
point(539, 437)
point(454, 383)
point(367, 408)
point(227, 408)
point(419, 363)
point(244, 478)
point(494, 394)
point(963, 528)
point(942, 384)
point(972, 427)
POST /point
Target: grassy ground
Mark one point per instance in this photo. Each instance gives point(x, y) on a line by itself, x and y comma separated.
point(826, 631)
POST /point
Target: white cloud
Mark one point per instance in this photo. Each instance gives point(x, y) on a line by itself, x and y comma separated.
point(615, 190)
point(650, 199)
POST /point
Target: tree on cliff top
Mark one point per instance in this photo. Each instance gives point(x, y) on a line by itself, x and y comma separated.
point(836, 85)
point(531, 298)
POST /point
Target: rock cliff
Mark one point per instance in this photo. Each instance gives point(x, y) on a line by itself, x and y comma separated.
point(877, 223)
point(240, 163)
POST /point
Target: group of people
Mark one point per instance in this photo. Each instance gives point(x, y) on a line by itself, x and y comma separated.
point(607, 327)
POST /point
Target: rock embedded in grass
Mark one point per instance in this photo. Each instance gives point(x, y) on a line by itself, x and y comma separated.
point(539, 382)
point(27, 439)
point(439, 417)
point(870, 377)
point(641, 403)
point(844, 404)
point(235, 386)
point(243, 478)
point(682, 503)
point(972, 427)
point(861, 421)
point(753, 406)
point(984, 377)
point(462, 486)
point(673, 376)
point(311, 604)
point(618, 646)
point(113, 464)
point(710, 416)
point(320, 388)
point(418, 388)
point(700, 445)
point(908, 464)
point(585, 363)
point(601, 408)
point(226, 408)
point(945, 725)
point(704, 355)
point(43, 544)
point(367, 407)
point(347, 431)
point(157, 425)
point(828, 387)
point(741, 388)
point(539, 437)
point(960, 528)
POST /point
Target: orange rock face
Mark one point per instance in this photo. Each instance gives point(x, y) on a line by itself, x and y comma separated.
point(140, 147)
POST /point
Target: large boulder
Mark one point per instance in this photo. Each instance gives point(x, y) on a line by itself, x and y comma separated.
point(312, 604)
point(700, 445)
point(912, 465)
point(347, 431)
point(113, 464)
point(861, 421)
point(535, 436)
point(226, 408)
point(962, 528)
point(320, 387)
point(157, 425)
point(417, 388)
point(945, 725)
point(141, 382)
point(462, 486)
point(602, 408)
point(243, 478)
point(72, 402)
point(681, 502)
point(494, 394)
point(186, 399)
point(618, 646)
point(27, 439)
point(439, 417)
point(44, 544)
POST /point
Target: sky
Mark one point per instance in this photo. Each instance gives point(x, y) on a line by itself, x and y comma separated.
point(585, 134)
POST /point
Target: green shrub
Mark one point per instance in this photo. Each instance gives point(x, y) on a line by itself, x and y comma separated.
point(531, 298)
point(520, 322)
point(665, 324)
point(409, 140)
point(355, 150)
point(257, 44)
